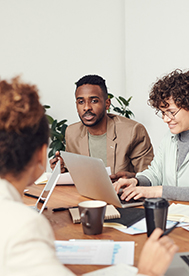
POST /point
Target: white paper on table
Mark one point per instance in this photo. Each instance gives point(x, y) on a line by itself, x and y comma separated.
point(95, 252)
point(42, 179)
point(64, 178)
point(178, 211)
point(140, 227)
point(137, 228)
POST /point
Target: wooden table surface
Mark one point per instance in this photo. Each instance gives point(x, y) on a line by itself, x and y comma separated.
point(65, 229)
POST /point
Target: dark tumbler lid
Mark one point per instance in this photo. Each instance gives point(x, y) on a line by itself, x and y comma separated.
point(158, 202)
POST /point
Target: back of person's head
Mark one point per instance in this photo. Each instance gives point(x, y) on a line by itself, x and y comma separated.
point(174, 85)
point(93, 80)
point(23, 125)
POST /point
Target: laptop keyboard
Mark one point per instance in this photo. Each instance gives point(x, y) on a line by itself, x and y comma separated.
point(185, 258)
point(130, 201)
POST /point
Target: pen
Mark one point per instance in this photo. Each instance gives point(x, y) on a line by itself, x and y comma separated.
point(30, 195)
point(63, 208)
point(170, 229)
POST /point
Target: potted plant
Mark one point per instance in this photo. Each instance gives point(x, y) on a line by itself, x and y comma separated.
point(57, 134)
point(123, 110)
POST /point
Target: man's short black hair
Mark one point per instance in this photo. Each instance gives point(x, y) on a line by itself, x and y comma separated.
point(94, 80)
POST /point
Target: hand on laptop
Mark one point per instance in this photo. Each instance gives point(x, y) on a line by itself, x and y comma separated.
point(130, 190)
point(55, 159)
point(138, 192)
point(121, 174)
point(157, 254)
point(122, 183)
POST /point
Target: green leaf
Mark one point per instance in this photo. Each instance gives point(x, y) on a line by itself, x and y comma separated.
point(61, 123)
point(56, 134)
point(110, 96)
point(129, 99)
point(117, 109)
point(46, 106)
point(63, 129)
point(53, 144)
point(119, 101)
point(54, 124)
point(56, 146)
point(50, 119)
point(50, 154)
point(126, 103)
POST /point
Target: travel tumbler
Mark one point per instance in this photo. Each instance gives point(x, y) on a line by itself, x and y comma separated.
point(156, 213)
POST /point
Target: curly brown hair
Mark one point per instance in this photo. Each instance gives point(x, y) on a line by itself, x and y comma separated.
point(175, 85)
point(23, 125)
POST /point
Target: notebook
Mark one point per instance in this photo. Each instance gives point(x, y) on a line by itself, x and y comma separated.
point(129, 216)
point(179, 265)
point(111, 213)
point(91, 179)
point(48, 189)
point(177, 212)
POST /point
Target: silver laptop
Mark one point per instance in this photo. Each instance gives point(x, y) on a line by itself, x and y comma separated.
point(179, 265)
point(48, 189)
point(92, 180)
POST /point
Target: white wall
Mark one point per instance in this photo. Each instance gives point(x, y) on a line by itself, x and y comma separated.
point(53, 43)
point(157, 42)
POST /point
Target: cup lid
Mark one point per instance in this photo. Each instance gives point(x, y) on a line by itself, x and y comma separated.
point(158, 202)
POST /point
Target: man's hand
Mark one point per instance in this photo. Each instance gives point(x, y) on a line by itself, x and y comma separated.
point(157, 254)
point(55, 159)
point(121, 174)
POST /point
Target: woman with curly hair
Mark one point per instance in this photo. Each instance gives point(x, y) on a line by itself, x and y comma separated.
point(27, 241)
point(169, 170)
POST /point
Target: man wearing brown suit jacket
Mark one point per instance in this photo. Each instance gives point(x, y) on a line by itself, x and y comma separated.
point(122, 143)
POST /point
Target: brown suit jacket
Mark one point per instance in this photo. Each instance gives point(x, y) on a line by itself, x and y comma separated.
point(128, 144)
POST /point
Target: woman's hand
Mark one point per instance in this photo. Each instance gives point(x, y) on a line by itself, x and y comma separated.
point(156, 254)
point(138, 192)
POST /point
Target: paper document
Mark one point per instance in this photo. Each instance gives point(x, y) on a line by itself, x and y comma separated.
point(64, 178)
point(42, 179)
point(95, 252)
point(140, 227)
point(178, 211)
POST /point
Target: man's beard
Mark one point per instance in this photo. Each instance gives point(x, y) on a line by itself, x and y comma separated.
point(98, 120)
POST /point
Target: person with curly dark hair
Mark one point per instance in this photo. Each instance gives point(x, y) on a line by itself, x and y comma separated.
point(27, 240)
point(169, 170)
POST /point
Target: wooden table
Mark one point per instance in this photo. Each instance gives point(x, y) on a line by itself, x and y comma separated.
point(64, 229)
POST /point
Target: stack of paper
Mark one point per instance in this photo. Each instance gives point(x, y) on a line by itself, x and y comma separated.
point(95, 252)
point(177, 212)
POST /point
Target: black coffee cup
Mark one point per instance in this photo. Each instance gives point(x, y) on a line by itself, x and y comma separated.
point(156, 213)
point(92, 213)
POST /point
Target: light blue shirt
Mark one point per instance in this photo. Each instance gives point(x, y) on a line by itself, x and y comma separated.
point(163, 170)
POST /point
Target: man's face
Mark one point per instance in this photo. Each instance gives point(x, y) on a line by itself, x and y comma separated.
point(180, 122)
point(91, 105)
